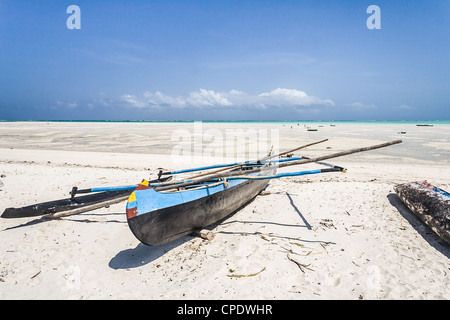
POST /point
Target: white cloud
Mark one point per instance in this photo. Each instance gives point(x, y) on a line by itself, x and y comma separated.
point(199, 98)
point(207, 98)
point(292, 97)
point(279, 97)
point(66, 104)
point(160, 99)
point(133, 101)
point(234, 92)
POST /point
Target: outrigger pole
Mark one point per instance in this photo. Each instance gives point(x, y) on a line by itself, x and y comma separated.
point(162, 187)
point(223, 167)
point(111, 195)
point(220, 174)
point(230, 166)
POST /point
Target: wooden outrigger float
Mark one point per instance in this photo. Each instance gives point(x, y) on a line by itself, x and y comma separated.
point(164, 210)
point(100, 197)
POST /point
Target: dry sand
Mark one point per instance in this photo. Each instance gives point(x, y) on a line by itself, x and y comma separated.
point(329, 236)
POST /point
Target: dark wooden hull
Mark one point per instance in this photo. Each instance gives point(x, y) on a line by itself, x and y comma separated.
point(75, 205)
point(168, 224)
point(429, 205)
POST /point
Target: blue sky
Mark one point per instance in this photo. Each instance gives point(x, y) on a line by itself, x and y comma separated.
point(224, 60)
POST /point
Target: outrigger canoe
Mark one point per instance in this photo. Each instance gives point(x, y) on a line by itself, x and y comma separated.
point(429, 203)
point(158, 217)
point(160, 213)
point(163, 210)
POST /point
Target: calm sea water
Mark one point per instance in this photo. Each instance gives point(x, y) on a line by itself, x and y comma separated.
point(318, 122)
point(429, 144)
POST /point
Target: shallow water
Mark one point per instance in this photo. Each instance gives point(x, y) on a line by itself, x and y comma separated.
point(234, 140)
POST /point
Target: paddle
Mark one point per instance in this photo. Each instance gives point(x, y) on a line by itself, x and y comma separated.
point(75, 190)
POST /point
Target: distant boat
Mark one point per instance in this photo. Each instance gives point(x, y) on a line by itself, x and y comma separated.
point(424, 125)
point(311, 129)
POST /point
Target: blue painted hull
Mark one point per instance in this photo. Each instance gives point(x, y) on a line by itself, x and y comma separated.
point(156, 218)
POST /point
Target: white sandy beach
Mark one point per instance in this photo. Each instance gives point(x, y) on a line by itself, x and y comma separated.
point(349, 233)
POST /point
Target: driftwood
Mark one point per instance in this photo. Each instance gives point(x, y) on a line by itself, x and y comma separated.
point(245, 275)
point(205, 234)
point(428, 205)
point(300, 265)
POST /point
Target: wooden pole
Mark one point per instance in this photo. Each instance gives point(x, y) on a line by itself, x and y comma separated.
point(281, 165)
point(240, 165)
point(86, 208)
point(233, 165)
point(339, 154)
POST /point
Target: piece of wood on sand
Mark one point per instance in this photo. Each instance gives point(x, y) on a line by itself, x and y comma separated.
point(205, 234)
point(428, 205)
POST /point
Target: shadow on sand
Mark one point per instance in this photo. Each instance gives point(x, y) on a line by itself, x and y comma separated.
point(143, 254)
point(75, 218)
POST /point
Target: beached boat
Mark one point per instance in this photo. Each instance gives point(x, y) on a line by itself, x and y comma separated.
point(158, 217)
point(160, 213)
point(163, 210)
point(429, 203)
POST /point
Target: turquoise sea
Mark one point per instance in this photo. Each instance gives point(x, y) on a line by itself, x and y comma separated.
point(318, 122)
point(430, 144)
